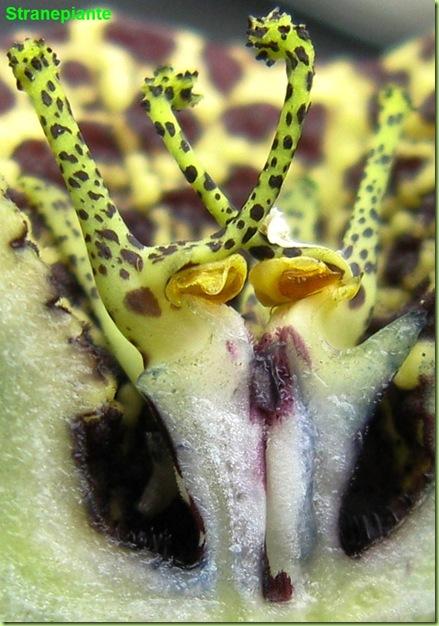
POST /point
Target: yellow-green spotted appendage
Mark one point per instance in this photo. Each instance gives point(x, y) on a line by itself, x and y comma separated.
point(55, 207)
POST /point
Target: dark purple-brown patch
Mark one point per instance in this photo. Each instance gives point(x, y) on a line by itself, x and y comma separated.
point(7, 98)
point(358, 300)
point(277, 588)
point(64, 284)
point(140, 225)
point(253, 121)
point(311, 143)
point(404, 168)
point(187, 206)
point(76, 73)
point(148, 43)
point(402, 258)
point(143, 302)
point(115, 459)
point(189, 125)
point(427, 208)
point(394, 467)
point(36, 159)
point(271, 385)
point(132, 258)
point(101, 141)
point(239, 184)
point(224, 70)
point(427, 108)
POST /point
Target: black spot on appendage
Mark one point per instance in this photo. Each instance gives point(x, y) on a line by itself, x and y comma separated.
point(134, 242)
point(250, 232)
point(170, 128)
point(261, 252)
point(57, 129)
point(288, 142)
point(275, 182)
point(302, 55)
point(94, 196)
point(64, 156)
point(74, 183)
point(356, 271)
point(185, 146)
point(257, 212)
point(46, 98)
point(36, 64)
point(159, 128)
point(83, 215)
point(301, 112)
point(191, 173)
point(347, 252)
point(81, 175)
point(290, 253)
point(209, 183)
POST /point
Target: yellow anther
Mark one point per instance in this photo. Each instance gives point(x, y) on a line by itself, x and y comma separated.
point(217, 282)
point(278, 281)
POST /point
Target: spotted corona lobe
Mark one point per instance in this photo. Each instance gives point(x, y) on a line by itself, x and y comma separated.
point(251, 445)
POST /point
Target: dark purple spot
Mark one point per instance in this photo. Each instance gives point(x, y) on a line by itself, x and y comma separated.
point(261, 252)
point(187, 206)
point(36, 159)
point(76, 73)
point(190, 173)
point(103, 250)
point(134, 259)
point(428, 109)
point(7, 98)
point(56, 130)
point(46, 98)
point(189, 124)
point(311, 143)
point(249, 233)
point(257, 212)
point(277, 588)
point(404, 168)
point(109, 234)
point(100, 140)
point(223, 69)
point(240, 183)
point(402, 259)
point(143, 301)
point(149, 44)
point(358, 300)
point(254, 121)
point(124, 274)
